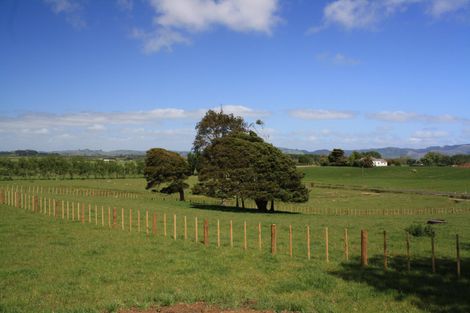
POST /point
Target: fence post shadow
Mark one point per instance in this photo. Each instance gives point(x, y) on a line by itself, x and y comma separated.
point(440, 292)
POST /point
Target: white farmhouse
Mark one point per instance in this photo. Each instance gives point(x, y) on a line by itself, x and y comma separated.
point(379, 162)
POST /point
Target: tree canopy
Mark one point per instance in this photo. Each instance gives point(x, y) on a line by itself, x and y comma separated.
point(216, 125)
point(241, 164)
point(337, 158)
point(166, 167)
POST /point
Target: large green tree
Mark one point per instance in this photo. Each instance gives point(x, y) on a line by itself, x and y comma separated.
point(337, 158)
point(166, 167)
point(243, 165)
point(216, 125)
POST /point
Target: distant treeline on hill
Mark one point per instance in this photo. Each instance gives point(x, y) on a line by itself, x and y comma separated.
point(54, 166)
point(337, 157)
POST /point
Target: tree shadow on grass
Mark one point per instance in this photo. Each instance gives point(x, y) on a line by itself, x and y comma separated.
point(223, 208)
point(441, 292)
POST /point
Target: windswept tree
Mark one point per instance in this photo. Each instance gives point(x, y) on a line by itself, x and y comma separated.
point(242, 164)
point(216, 125)
point(166, 167)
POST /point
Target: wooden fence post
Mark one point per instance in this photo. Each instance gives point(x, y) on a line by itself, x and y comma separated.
point(385, 251)
point(114, 218)
point(231, 234)
point(260, 244)
point(206, 232)
point(62, 207)
point(327, 254)
point(290, 240)
point(245, 245)
point(273, 239)
point(408, 258)
point(154, 224)
point(308, 242)
point(147, 222)
point(346, 245)
point(122, 218)
point(89, 213)
point(73, 211)
point(164, 225)
point(457, 246)
point(364, 258)
point(102, 216)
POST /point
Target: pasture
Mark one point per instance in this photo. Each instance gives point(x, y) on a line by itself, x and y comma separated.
point(58, 264)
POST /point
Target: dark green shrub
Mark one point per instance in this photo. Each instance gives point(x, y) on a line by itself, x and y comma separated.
point(418, 230)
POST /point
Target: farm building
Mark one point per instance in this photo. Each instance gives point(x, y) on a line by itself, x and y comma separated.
point(379, 162)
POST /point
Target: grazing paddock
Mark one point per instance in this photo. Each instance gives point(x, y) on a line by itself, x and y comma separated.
point(51, 262)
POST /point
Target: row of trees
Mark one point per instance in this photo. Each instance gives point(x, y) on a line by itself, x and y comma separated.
point(364, 159)
point(68, 167)
point(232, 161)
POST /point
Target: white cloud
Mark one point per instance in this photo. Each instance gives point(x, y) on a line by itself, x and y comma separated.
point(336, 59)
point(99, 121)
point(159, 39)
point(96, 127)
point(94, 120)
point(71, 9)
point(429, 137)
point(240, 110)
point(318, 114)
point(401, 116)
point(367, 14)
point(439, 8)
point(429, 134)
point(352, 13)
point(176, 20)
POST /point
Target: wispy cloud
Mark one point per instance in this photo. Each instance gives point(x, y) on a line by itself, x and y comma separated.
point(176, 21)
point(439, 8)
point(336, 59)
point(241, 110)
point(428, 136)
point(401, 116)
point(319, 114)
point(368, 14)
point(71, 9)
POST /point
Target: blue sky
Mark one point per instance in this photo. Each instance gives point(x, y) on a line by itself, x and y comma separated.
point(136, 74)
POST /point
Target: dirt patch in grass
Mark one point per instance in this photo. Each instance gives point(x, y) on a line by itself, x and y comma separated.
point(193, 308)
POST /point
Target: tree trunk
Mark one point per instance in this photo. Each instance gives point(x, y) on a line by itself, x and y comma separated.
point(236, 204)
point(272, 206)
point(262, 204)
point(181, 191)
point(243, 203)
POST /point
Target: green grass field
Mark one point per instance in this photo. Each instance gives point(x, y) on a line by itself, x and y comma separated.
point(49, 264)
point(446, 179)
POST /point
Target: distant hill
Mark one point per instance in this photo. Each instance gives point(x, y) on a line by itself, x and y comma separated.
point(388, 152)
point(394, 152)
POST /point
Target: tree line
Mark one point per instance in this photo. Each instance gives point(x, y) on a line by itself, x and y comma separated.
point(48, 167)
point(337, 157)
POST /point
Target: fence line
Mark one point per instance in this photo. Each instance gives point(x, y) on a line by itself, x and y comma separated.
point(52, 207)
